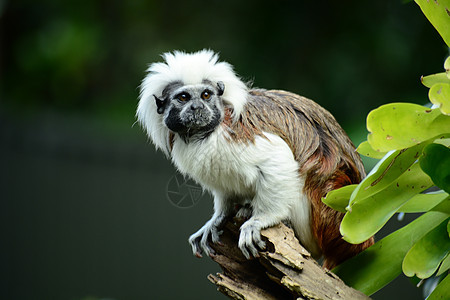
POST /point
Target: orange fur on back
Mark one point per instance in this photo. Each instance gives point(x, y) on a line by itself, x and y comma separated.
point(326, 156)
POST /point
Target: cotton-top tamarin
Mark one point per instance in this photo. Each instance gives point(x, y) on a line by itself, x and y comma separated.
point(273, 152)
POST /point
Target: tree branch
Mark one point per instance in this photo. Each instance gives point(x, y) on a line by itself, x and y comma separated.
point(284, 271)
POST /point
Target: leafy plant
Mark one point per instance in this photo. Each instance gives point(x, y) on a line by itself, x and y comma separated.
point(412, 143)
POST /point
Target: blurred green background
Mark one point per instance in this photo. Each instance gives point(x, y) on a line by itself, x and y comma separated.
point(86, 210)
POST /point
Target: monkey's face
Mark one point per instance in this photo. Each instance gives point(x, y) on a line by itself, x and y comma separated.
point(192, 110)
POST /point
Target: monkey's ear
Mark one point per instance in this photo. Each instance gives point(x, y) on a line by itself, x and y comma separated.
point(220, 87)
point(159, 104)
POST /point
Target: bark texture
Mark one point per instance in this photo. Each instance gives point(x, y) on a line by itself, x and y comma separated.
point(285, 270)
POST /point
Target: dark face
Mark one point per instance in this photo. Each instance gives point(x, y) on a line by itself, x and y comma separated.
point(194, 110)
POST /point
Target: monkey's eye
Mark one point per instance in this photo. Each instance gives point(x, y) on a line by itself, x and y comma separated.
point(206, 95)
point(183, 97)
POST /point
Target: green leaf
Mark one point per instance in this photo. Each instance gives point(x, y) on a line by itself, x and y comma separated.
point(431, 80)
point(338, 199)
point(442, 291)
point(444, 206)
point(401, 125)
point(378, 265)
point(365, 149)
point(437, 12)
point(444, 266)
point(385, 189)
point(388, 169)
point(447, 67)
point(424, 258)
point(439, 95)
point(443, 141)
point(366, 216)
point(423, 202)
point(436, 163)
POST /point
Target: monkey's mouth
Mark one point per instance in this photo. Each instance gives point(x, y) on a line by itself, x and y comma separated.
point(199, 123)
point(197, 119)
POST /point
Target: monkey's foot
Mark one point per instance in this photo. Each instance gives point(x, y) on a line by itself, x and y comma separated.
point(250, 238)
point(244, 212)
point(209, 232)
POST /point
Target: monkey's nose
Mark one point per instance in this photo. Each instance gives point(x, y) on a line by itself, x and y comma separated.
point(197, 105)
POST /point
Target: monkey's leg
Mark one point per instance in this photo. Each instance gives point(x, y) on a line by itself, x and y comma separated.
point(277, 189)
point(211, 229)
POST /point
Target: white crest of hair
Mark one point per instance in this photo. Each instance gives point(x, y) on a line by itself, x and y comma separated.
point(190, 69)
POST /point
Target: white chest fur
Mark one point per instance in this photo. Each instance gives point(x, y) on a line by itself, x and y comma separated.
point(264, 172)
point(218, 164)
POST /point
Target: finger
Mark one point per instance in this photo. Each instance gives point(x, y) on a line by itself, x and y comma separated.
point(215, 235)
point(245, 252)
point(257, 240)
point(205, 246)
point(243, 243)
point(251, 247)
point(194, 241)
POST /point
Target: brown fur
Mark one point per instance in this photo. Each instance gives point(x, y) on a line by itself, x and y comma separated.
point(326, 156)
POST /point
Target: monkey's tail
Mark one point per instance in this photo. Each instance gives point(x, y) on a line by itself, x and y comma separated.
point(334, 164)
point(326, 221)
point(335, 249)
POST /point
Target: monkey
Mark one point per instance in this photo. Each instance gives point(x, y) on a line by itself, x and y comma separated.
point(273, 152)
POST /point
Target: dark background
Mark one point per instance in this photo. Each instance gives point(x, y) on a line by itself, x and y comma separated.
point(86, 209)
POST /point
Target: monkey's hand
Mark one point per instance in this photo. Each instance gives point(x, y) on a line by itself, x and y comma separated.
point(209, 232)
point(250, 237)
